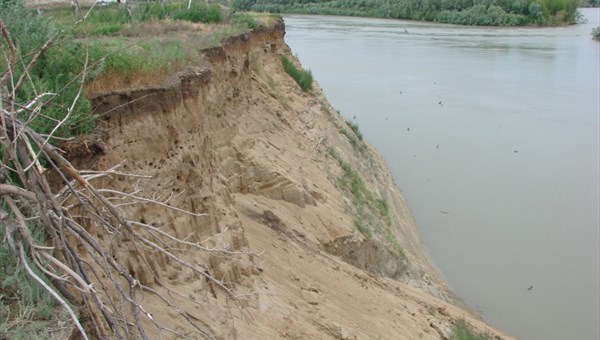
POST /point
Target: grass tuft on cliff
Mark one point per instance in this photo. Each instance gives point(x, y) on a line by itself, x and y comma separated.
point(371, 214)
point(355, 137)
point(303, 78)
point(27, 311)
point(596, 33)
point(463, 331)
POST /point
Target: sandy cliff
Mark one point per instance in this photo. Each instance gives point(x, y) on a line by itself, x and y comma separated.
point(237, 139)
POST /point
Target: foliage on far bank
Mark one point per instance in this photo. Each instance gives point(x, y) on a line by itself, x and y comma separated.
point(465, 12)
point(590, 3)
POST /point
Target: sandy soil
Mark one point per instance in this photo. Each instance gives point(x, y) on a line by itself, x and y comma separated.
point(236, 138)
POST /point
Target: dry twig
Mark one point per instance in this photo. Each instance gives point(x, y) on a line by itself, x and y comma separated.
point(96, 284)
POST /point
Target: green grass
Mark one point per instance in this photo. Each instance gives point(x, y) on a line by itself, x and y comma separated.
point(26, 309)
point(463, 331)
point(107, 29)
point(107, 19)
point(355, 137)
point(354, 140)
point(596, 33)
point(303, 78)
point(245, 19)
point(58, 70)
point(198, 13)
point(371, 214)
point(355, 129)
point(52, 74)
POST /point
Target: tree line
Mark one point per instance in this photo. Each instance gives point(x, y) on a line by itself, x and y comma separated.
point(465, 12)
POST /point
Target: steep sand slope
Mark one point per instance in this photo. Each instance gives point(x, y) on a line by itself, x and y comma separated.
point(237, 139)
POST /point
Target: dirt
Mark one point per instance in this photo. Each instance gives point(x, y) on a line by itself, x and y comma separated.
point(237, 139)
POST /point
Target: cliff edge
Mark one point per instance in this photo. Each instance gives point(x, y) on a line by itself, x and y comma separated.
point(325, 245)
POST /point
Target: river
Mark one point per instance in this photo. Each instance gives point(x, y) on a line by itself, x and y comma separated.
point(492, 136)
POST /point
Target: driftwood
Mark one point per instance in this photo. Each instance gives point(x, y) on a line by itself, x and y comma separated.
point(95, 286)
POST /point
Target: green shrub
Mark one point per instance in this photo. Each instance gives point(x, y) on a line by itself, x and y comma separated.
point(198, 13)
point(303, 78)
point(56, 72)
point(154, 11)
point(467, 12)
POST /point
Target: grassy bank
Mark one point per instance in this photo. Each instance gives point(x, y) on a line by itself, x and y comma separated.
point(106, 48)
point(49, 61)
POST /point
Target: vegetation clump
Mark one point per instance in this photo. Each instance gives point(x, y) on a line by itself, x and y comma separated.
point(596, 33)
point(135, 47)
point(46, 66)
point(463, 331)
point(245, 19)
point(465, 12)
point(25, 307)
point(303, 78)
point(371, 214)
point(51, 73)
point(355, 137)
point(58, 71)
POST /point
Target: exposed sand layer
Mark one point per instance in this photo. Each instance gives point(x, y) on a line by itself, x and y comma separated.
point(236, 138)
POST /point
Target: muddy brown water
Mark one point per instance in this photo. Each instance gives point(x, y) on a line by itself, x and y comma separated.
point(492, 135)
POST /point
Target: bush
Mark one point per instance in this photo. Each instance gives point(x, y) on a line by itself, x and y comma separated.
point(205, 14)
point(302, 77)
point(54, 73)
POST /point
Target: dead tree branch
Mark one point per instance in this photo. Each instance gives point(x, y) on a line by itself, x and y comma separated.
point(73, 265)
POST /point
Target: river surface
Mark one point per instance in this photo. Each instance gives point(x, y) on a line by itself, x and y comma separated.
point(492, 136)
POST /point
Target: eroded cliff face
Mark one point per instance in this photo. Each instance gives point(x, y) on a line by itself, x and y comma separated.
point(235, 138)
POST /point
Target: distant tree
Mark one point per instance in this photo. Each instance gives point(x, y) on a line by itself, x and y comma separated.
point(467, 12)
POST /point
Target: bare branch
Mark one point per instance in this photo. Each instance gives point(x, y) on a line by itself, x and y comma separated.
point(87, 221)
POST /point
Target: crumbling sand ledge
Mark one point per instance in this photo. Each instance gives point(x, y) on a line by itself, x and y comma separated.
point(237, 139)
